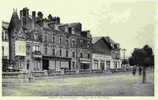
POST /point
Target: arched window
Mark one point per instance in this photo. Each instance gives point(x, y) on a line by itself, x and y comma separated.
point(60, 39)
point(73, 43)
point(67, 53)
point(60, 52)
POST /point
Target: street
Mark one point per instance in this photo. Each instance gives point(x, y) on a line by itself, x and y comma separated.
point(116, 84)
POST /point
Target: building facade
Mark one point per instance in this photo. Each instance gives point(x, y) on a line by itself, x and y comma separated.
point(105, 54)
point(38, 44)
point(5, 45)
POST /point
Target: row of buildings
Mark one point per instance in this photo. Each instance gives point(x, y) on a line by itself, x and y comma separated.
point(31, 42)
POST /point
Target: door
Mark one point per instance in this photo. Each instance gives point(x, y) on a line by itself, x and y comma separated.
point(102, 65)
point(45, 64)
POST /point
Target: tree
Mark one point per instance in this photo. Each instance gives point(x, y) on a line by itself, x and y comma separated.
point(125, 61)
point(143, 58)
point(131, 61)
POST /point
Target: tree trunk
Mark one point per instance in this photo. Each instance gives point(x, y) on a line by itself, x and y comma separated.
point(144, 74)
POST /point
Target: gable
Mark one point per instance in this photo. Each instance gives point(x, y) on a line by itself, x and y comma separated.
point(101, 47)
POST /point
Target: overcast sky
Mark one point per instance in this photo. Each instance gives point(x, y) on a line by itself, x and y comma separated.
point(132, 24)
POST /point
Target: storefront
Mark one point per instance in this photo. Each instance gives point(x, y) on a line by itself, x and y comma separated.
point(85, 64)
point(56, 63)
point(101, 62)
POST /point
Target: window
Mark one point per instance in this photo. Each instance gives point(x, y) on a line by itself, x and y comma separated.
point(102, 65)
point(88, 44)
point(67, 42)
point(88, 55)
point(4, 35)
point(53, 52)
point(81, 56)
point(115, 64)
point(108, 64)
point(81, 43)
point(73, 43)
point(53, 40)
point(28, 63)
point(60, 52)
point(46, 50)
point(70, 30)
point(60, 40)
point(2, 50)
point(73, 65)
point(73, 54)
point(35, 47)
point(67, 53)
point(27, 49)
point(95, 64)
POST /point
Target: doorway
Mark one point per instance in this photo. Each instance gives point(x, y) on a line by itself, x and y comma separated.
point(45, 64)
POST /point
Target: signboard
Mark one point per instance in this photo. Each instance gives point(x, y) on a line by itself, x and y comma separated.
point(101, 56)
point(5, 49)
point(20, 48)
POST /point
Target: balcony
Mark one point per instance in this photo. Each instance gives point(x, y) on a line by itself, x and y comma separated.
point(37, 54)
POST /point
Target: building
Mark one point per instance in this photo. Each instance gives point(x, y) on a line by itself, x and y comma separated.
point(5, 45)
point(37, 44)
point(105, 54)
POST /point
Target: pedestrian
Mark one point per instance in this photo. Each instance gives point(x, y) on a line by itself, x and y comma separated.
point(134, 70)
point(140, 71)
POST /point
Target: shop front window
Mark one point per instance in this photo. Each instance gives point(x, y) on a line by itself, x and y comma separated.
point(96, 64)
point(108, 64)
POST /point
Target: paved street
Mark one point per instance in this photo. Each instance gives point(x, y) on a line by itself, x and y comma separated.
point(116, 84)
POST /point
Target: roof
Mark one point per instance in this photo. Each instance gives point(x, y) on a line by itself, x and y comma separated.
point(95, 39)
point(108, 40)
point(14, 22)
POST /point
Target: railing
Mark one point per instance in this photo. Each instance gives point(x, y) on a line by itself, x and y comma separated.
point(22, 74)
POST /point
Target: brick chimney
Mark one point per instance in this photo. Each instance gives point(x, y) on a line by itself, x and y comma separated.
point(33, 19)
point(21, 17)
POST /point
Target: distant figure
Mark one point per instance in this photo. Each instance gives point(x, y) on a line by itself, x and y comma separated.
point(140, 71)
point(134, 70)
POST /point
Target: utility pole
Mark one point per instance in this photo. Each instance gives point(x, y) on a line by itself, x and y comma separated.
point(124, 51)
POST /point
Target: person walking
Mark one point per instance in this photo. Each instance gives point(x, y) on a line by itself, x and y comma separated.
point(134, 70)
point(140, 71)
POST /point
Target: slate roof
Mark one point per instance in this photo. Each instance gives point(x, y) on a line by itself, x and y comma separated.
point(14, 22)
point(107, 39)
point(95, 39)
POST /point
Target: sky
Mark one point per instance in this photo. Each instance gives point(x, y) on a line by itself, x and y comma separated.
point(132, 23)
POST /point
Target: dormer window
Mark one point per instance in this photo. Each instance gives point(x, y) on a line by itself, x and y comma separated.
point(70, 30)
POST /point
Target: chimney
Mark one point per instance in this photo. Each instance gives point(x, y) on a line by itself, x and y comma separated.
point(73, 30)
point(21, 14)
point(66, 28)
point(58, 20)
point(33, 19)
point(33, 14)
point(21, 17)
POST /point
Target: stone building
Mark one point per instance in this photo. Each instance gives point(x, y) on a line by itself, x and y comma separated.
point(105, 54)
point(5, 45)
point(37, 43)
